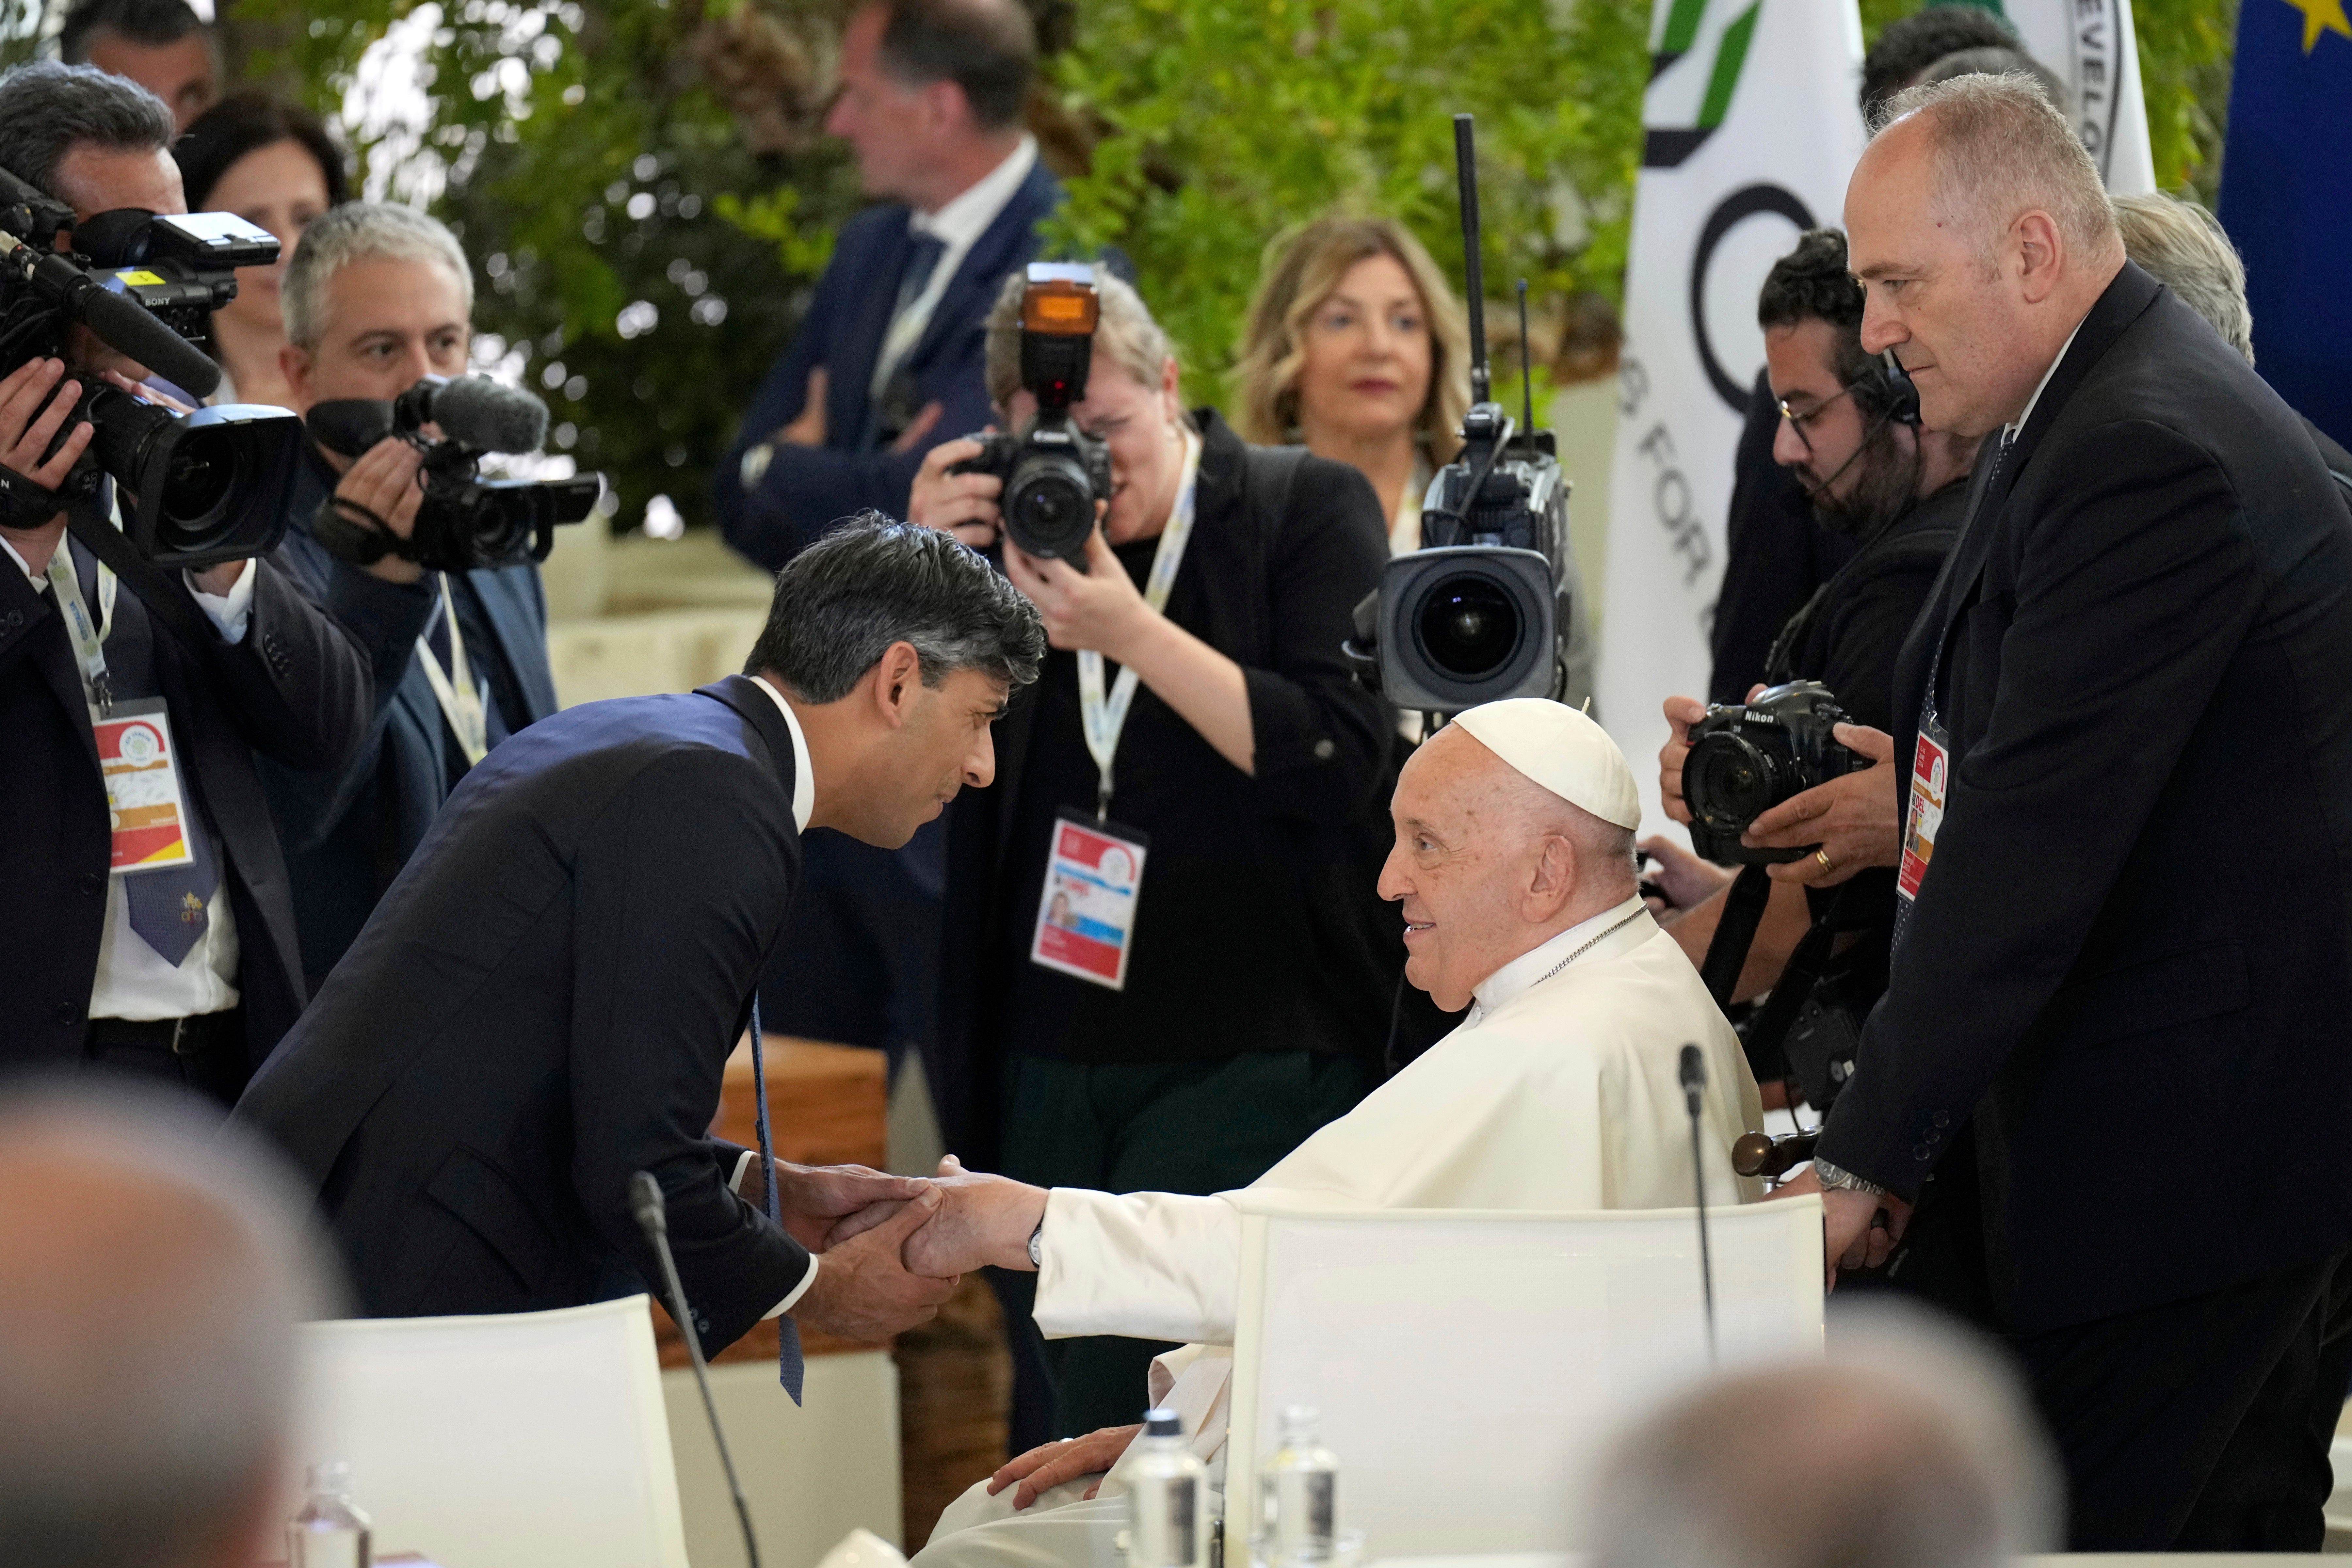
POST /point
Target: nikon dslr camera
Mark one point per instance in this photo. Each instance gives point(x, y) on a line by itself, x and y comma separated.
point(1746, 760)
point(1054, 472)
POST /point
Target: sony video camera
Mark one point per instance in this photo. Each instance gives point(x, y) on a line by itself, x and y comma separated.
point(1475, 615)
point(1054, 472)
point(200, 487)
point(1746, 758)
point(466, 521)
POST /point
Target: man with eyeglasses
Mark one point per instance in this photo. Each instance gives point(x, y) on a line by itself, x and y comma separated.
point(1851, 439)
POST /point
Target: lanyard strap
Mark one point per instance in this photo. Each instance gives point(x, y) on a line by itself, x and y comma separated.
point(89, 648)
point(460, 699)
point(1104, 719)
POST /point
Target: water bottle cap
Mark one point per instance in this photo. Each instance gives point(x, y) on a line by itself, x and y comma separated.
point(331, 1478)
point(1300, 1418)
point(1162, 1422)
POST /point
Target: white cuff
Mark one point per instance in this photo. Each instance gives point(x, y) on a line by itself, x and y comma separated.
point(789, 1302)
point(742, 1167)
point(231, 611)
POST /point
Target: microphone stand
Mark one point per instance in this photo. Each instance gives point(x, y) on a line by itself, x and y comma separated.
point(1694, 1078)
point(651, 1212)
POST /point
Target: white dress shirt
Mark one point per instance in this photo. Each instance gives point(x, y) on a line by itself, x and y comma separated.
point(2009, 432)
point(957, 226)
point(133, 981)
point(804, 803)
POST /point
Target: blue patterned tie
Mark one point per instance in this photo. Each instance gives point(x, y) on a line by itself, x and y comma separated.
point(169, 906)
point(790, 1367)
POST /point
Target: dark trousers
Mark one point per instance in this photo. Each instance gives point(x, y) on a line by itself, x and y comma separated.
point(2203, 1425)
point(858, 962)
point(204, 1054)
point(1177, 1126)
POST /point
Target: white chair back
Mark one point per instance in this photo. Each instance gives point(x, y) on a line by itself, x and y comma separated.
point(1468, 1365)
point(485, 1441)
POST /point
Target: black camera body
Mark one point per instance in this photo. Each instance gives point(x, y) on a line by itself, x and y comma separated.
point(201, 487)
point(1746, 758)
point(1052, 472)
point(466, 521)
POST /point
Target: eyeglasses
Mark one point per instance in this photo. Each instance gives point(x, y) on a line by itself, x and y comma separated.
point(1797, 422)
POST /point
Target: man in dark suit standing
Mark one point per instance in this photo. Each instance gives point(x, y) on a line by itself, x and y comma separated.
point(187, 972)
point(378, 298)
point(2124, 699)
point(887, 364)
point(545, 1000)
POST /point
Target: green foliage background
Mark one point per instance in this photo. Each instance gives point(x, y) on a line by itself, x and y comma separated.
point(642, 268)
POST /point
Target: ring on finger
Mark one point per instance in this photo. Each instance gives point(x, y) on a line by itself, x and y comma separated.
point(1821, 854)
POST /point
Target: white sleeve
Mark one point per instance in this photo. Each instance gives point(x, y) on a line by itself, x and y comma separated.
point(231, 611)
point(1149, 1265)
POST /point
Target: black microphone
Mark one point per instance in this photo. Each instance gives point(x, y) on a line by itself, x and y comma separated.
point(1694, 1077)
point(646, 1203)
point(121, 322)
point(474, 412)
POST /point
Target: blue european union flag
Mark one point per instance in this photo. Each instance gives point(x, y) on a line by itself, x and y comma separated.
point(2286, 199)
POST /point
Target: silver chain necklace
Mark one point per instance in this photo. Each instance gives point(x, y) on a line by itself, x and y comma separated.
point(1588, 947)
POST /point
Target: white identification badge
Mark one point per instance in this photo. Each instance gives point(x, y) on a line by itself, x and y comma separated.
point(1086, 917)
point(1930, 780)
point(147, 807)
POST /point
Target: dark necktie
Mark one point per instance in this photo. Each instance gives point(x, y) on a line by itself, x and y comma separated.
point(922, 260)
point(790, 1367)
point(169, 907)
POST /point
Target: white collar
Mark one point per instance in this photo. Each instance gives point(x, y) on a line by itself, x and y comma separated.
point(2009, 432)
point(963, 219)
point(803, 780)
point(1518, 977)
point(34, 578)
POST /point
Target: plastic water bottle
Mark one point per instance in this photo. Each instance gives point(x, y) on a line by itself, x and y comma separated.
point(1166, 1499)
point(330, 1531)
point(1298, 1489)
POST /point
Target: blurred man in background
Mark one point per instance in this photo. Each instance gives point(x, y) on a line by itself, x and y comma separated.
point(155, 1272)
point(162, 44)
point(887, 364)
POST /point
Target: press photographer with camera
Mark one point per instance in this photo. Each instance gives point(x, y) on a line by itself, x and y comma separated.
point(1852, 439)
point(165, 943)
point(377, 298)
point(1197, 770)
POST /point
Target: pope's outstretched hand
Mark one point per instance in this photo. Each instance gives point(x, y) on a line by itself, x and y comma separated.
point(984, 1219)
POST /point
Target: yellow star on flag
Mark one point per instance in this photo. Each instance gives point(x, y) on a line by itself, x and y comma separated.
point(2321, 16)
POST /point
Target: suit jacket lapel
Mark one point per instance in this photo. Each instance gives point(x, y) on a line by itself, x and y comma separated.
point(512, 626)
point(744, 695)
point(1003, 246)
point(860, 344)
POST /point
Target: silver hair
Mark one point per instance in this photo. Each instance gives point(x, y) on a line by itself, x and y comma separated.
point(1913, 1449)
point(363, 231)
point(2181, 246)
point(2001, 149)
point(1125, 336)
point(47, 108)
point(154, 1280)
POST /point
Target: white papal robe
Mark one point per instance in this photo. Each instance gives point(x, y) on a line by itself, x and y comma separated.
point(1561, 1090)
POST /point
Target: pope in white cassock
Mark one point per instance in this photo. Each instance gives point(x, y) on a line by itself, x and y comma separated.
point(1514, 861)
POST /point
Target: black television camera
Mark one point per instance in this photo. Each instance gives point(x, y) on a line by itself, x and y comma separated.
point(1475, 614)
point(202, 487)
point(466, 521)
point(1746, 758)
point(1054, 472)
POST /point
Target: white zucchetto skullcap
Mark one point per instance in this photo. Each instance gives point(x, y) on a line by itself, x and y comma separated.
point(1561, 749)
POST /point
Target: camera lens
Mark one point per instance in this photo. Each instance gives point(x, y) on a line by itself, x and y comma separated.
point(1729, 781)
point(1468, 626)
point(1050, 506)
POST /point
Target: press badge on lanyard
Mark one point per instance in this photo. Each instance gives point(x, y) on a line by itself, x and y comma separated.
point(1930, 781)
point(1094, 869)
point(146, 805)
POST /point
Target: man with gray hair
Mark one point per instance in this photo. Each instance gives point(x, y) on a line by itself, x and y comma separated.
point(377, 298)
point(2125, 695)
point(545, 1004)
point(155, 1271)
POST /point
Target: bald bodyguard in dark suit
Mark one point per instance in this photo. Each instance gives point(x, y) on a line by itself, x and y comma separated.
point(2126, 706)
point(544, 1002)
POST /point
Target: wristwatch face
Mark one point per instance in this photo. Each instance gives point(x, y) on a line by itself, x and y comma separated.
point(1036, 1251)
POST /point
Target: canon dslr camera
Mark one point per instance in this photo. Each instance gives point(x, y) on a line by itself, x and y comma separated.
point(1054, 472)
point(1746, 758)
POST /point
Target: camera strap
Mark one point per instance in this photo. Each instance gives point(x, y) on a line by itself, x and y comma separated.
point(453, 688)
point(1103, 718)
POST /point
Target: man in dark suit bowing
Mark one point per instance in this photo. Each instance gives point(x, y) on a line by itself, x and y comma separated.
point(2124, 700)
point(545, 1000)
point(887, 364)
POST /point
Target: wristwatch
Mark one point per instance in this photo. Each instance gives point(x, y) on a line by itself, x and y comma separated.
point(1830, 1175)
point(754, 467)
point(1036, 1247)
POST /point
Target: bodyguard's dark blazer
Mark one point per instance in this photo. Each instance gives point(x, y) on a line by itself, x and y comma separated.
point(2131, 958)
point(402, 769)
point(543, 1004)
point(296, 689)
point(805, 489)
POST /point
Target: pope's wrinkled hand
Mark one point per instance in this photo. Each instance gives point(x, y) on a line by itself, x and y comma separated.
point(824, 1205)
point(981, 1219)
point(1041, 1469)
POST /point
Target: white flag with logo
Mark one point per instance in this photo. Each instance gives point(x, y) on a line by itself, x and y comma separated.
point(1752, 128)
point(2090, 44)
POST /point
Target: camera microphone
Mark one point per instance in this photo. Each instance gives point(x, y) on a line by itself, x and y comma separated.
point(121, 322)
point(1694, 1079)
point(489, 417)
point(651, 1211)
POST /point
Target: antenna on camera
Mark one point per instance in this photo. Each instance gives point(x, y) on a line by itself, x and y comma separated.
point(1527, 364)
point(1466, 173)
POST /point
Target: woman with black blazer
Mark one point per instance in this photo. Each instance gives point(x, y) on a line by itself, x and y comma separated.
point(1183, 1030)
